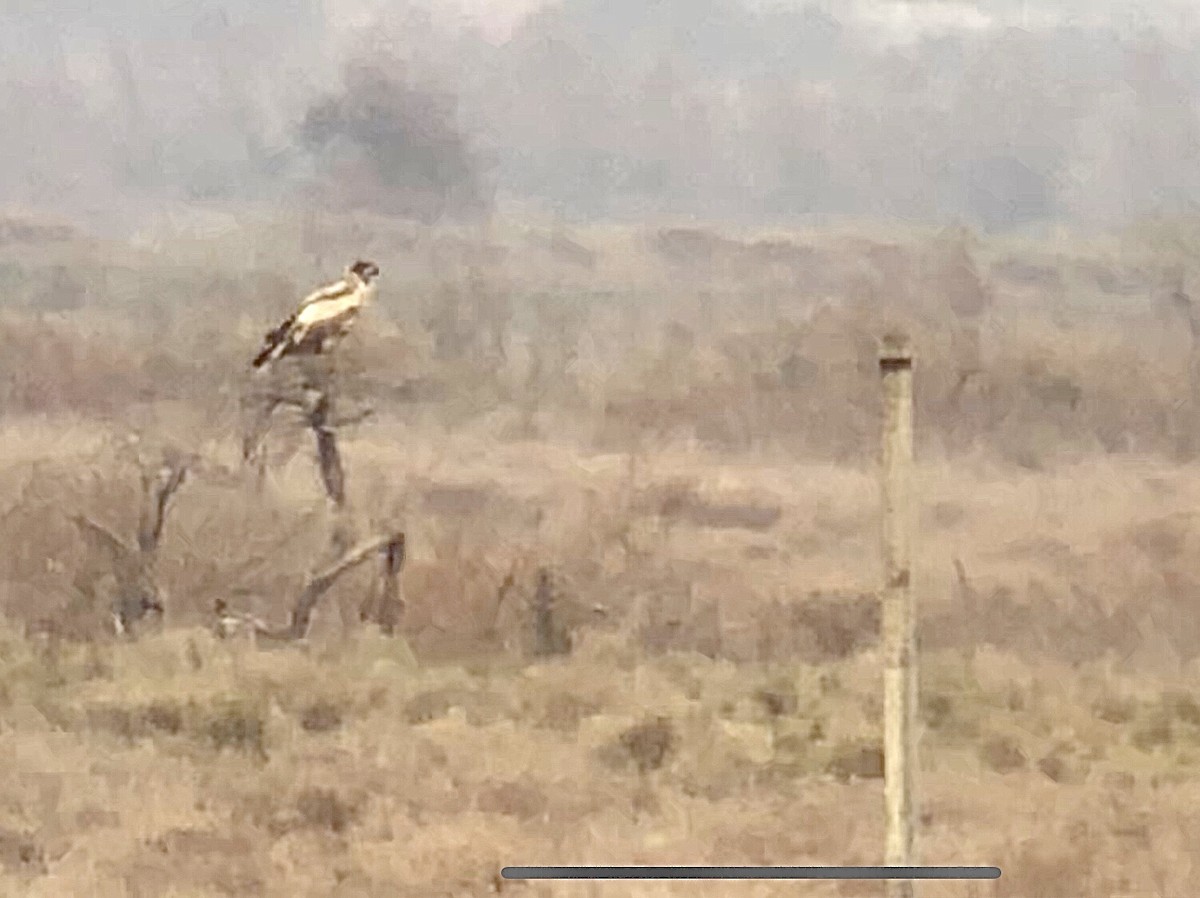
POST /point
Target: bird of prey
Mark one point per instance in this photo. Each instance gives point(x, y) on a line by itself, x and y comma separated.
point(322, 318)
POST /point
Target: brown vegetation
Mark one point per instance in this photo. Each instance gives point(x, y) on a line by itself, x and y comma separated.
point(634, 611)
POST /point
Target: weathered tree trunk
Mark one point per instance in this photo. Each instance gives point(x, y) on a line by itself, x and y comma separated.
point(318, 584)
point(550, 636)
point(309, 385)
point(329, 457)
point(385, 603)
point(138, 592)
point(543, 615)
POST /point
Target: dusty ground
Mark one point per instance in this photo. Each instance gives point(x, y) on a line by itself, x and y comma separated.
point(715, 556)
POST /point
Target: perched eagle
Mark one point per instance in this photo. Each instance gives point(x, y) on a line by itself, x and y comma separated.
point(323, 317)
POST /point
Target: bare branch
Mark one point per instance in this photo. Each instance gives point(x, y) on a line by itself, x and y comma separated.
point(333, 475)
point(507, 585)
point(229, 623)
point(22, 500)
point(303, 402)
point(350, 420)
point(258, 427)
point(385, 603)
point(138, 593)
point(543, 615)
point(966, 594)
point(319, 583)
point(360, 553)
point(104, 538)
point(157, 491)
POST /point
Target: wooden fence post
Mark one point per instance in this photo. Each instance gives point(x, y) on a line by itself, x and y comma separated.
point(899, 631)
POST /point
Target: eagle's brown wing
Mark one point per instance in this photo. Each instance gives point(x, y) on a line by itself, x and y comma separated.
point(321, 335)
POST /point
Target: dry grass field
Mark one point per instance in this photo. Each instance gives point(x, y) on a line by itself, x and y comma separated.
point(682, 429)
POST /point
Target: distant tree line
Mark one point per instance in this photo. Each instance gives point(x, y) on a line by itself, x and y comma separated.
point(601, 109)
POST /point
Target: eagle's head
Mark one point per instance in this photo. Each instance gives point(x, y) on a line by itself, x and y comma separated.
point(366, 271)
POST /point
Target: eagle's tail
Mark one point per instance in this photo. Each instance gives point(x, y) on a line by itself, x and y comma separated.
point(262, 357)
point(272, 343)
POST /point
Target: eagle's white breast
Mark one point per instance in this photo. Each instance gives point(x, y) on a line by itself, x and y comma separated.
point(325, 309)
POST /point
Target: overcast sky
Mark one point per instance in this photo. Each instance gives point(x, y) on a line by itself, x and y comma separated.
point(1003, 113)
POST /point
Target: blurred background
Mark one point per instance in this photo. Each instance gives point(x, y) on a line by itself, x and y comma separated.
point(1002, 114)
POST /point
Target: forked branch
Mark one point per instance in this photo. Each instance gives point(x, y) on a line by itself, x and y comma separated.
point(385, 603)
point(138, 592)
point(105, 539)
point(319, 583)
point(310, 389)
point(157, 490)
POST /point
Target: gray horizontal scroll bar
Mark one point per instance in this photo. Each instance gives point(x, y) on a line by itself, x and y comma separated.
point(750, 873)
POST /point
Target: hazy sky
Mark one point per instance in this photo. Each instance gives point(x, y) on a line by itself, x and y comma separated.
point(1003, 112)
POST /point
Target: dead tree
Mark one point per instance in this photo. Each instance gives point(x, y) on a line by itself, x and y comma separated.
point(389, 548)
point(319, 583)
point(309, 386)
point(384, 606)
point(133, 563)
point(257, 412)
point(544, 630)
point(551, 631)
point(1181, 309)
